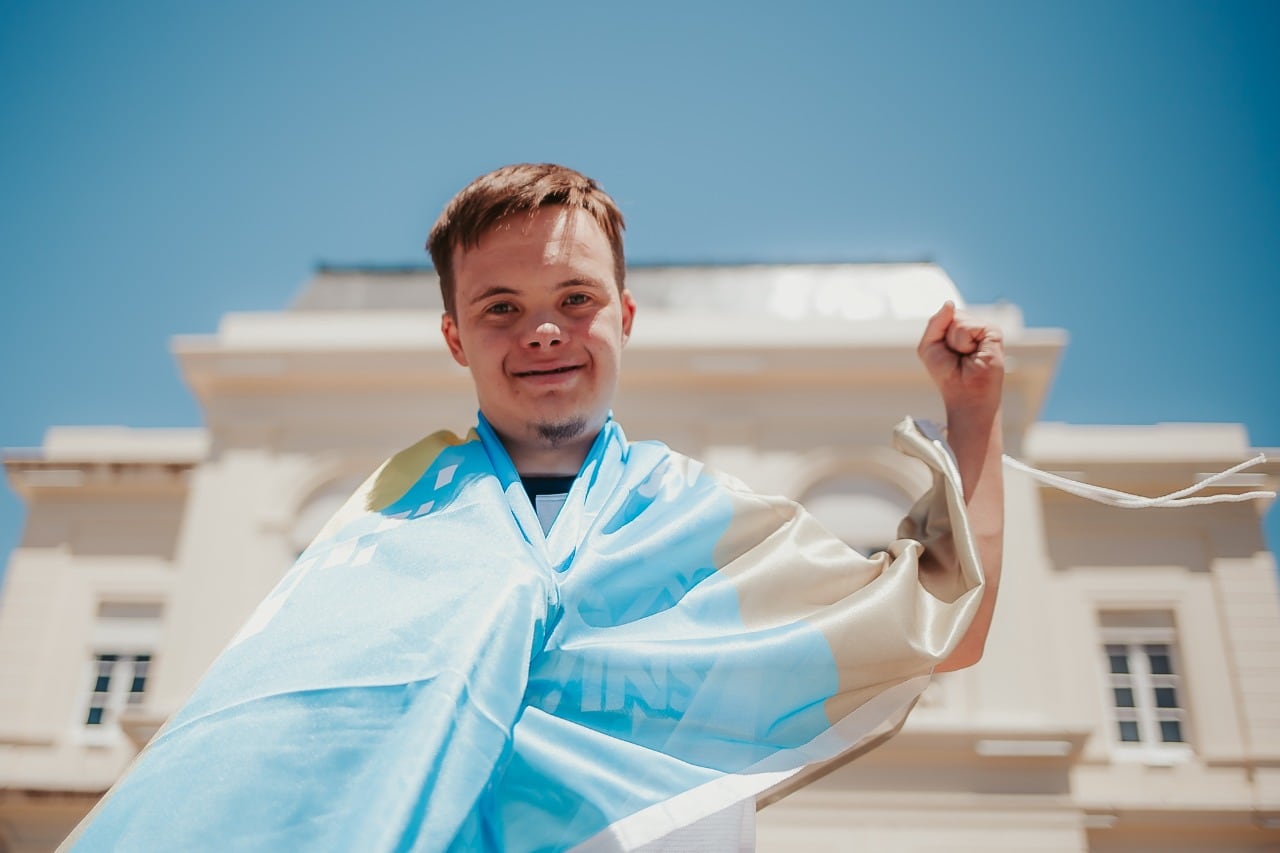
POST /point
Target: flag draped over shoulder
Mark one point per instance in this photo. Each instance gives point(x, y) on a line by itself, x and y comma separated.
point(435, 673)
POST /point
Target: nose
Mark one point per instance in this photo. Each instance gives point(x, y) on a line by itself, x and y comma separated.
point(545, 334)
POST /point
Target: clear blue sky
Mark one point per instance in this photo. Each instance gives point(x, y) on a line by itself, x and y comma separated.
point(1110, 167)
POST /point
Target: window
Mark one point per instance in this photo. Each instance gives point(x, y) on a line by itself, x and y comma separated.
point(316, 511)
point(125, 636)
point(119, 681)
point(861, 510)
point(1145, 687)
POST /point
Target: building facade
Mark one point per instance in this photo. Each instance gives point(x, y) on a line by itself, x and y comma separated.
point(1129, 699)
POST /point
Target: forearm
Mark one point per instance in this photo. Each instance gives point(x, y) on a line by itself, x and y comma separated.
point(965, 359)
point(975, 438)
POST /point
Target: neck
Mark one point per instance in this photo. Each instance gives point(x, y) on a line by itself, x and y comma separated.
point(537, 458)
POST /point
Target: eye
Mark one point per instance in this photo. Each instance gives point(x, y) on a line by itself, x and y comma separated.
point(577, 299)
point(500, 308)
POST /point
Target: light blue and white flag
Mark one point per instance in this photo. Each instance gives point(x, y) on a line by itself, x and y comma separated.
point(437, 674)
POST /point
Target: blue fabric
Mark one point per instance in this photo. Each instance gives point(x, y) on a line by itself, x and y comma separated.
point(439, 675)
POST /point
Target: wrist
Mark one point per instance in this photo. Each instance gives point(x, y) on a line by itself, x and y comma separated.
point(972, 413)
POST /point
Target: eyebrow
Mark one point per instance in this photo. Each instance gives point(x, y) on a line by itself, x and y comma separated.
point(497, 290)
point(504, 290)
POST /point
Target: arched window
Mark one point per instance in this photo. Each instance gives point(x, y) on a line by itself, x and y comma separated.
point(863, 511)
point(316, 510)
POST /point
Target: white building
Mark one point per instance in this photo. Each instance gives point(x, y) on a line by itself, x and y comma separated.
point(1130, 695)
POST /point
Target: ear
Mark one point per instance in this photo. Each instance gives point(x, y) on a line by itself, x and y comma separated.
point(449, 328)
point(628, 314)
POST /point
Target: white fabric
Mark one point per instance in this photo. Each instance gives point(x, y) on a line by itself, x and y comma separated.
point(1124, 500)
point(730, 831)
point(548, 507)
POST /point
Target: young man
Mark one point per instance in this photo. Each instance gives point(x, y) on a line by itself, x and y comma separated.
point(541, 636)
point(532, 275)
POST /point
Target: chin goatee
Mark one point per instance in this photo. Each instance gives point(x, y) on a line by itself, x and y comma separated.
point(559, 433)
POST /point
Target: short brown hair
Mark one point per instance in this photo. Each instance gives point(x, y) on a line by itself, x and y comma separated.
point(524, 187)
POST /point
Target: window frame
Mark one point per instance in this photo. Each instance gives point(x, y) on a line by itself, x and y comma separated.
point(1149, 749)
point(119, 695)
point(127, 625)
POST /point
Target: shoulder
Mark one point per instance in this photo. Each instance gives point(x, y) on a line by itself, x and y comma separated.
point(662, 457)
point(399, 473)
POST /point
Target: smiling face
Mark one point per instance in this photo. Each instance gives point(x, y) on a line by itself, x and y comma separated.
point(540, 322)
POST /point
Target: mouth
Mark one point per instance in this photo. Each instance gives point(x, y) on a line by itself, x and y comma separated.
point(550, 371)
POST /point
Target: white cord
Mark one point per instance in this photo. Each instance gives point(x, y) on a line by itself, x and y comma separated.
point(1125, 500)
